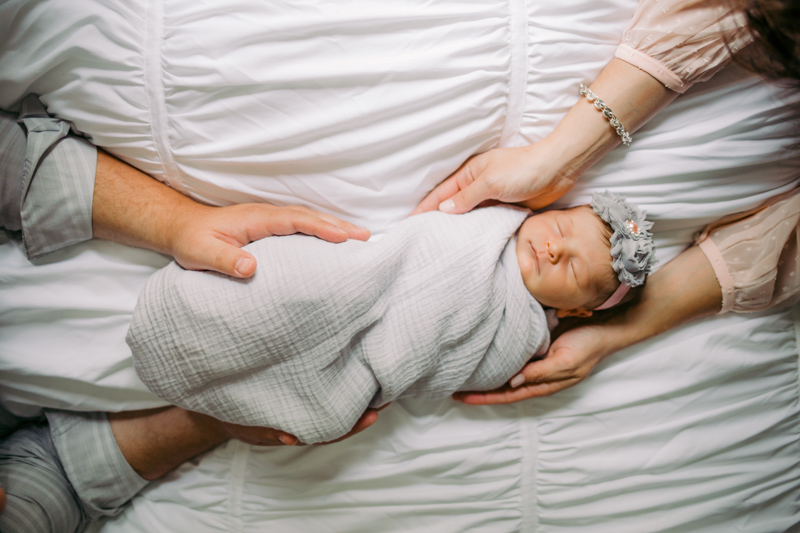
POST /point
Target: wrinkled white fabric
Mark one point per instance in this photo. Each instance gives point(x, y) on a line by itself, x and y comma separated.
point(327, 330)
point(692, 431)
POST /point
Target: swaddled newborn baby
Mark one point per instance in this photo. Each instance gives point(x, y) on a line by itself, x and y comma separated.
point(322, 331)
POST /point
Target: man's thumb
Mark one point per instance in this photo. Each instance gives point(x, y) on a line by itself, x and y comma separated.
point(220, 257)
point(244, 266)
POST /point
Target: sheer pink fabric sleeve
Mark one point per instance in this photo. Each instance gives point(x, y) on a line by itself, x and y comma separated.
point(756, 258)
point(680, 42)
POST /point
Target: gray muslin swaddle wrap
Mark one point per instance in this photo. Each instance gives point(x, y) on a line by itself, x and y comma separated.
point(322, 331)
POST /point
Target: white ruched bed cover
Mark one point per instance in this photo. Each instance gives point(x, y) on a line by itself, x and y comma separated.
point(358, 108)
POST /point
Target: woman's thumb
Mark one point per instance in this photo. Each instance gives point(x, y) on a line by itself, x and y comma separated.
point(466, 199)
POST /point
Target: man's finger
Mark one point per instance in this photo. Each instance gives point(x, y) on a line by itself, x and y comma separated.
point(353, 231)
point(256, 436)
point(291, 220)
point(263, 224)
point(369, 417)
point(288, 439)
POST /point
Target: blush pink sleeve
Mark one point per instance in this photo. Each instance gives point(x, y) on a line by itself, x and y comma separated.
point(680, 42)
point(756, 258)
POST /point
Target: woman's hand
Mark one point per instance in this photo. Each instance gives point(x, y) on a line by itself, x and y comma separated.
point(509, 175)
point(685, 289)
point(210, 238)
point(539, 174)
point(571, 358)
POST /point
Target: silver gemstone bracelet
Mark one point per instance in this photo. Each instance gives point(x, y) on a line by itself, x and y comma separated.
point(612, 118)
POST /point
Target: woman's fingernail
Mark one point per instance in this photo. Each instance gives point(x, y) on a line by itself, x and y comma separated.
point(286, 440)
point(517, 380)
point(243, 266)
point(447, 206)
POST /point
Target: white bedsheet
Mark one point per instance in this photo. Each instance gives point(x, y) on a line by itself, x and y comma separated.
point(694, 431)
point(688, 433)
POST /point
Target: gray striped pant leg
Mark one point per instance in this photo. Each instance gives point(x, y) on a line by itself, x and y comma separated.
point(98, 472)
point(40, 497)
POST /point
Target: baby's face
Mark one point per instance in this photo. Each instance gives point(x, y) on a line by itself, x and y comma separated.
point(565, 259)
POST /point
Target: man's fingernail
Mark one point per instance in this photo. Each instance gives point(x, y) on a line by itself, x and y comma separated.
point(517, 380)
point(286, 440)
point(447, 206)
point(243, 265)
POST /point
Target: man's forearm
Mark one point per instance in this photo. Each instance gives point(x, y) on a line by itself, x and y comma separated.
point(155, 442)
point(132, 208)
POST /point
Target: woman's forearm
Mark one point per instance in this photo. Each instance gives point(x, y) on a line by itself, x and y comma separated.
point(584, 135)
point(541, 173)
point(686, 288)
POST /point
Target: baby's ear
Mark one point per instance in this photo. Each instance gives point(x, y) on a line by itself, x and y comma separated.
point(582, 313)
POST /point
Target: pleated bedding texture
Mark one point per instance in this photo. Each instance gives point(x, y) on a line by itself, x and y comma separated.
point(358, 109)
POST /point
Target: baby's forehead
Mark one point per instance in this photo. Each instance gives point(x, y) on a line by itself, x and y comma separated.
point(585, 215)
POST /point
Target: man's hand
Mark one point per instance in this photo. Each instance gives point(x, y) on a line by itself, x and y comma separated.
point(273, 437)
point(210, 238)
point(132, 208)
point(157, 441)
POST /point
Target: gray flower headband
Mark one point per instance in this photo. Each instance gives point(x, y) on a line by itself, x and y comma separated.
point(632, 248)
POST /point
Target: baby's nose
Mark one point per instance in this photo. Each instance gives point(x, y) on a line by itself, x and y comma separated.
point(554, 250)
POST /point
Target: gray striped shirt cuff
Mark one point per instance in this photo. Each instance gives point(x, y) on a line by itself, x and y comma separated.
point(53, 188)
point(94, 464)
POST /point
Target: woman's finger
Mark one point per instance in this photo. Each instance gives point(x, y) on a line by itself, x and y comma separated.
point(467, 199)
point(443, 191)
point(353, 231)
point(471, 190)
point(507, 394)
point(557, 366)
point(556, 372)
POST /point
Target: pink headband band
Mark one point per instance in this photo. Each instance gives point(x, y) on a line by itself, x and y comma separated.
point(615, 298)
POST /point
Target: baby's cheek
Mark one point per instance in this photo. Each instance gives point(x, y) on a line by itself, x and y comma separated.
point(525, 262)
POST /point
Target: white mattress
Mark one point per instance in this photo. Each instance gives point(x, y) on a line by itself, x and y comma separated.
point(358, 109)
